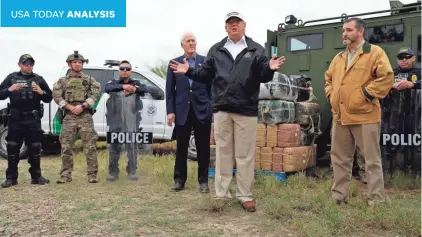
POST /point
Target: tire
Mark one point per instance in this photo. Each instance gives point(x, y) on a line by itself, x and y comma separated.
point(3, 149)
point(192, 148)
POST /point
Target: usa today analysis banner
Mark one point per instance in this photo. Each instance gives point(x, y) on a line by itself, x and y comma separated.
point(54, 13)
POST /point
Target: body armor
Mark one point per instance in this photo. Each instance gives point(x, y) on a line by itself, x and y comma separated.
point(75, 90)
point(26, 93)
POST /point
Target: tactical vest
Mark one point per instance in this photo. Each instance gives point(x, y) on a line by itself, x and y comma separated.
point(76, 90)
point(26, 93)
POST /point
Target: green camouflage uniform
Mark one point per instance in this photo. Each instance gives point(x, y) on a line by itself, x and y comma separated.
point(75, 91)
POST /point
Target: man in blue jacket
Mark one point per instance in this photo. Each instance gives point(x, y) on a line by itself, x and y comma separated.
point(234, 68)
point(189, 106)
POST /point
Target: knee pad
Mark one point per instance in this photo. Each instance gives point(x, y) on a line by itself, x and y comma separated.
point(36, 145)
point(13, 146)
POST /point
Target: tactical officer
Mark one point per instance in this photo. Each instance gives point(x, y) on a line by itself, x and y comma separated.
point(405, 74)
point(128, 91)
point(397, 105)
point(77, 95)
point(25, 90)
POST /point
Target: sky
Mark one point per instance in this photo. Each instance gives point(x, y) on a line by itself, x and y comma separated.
point(153, 31)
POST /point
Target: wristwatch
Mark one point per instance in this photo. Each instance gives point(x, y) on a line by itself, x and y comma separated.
point(83, 106)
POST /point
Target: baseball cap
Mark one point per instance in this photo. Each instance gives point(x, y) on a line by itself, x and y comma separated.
point(405, 50)
point(25, 57)
point(234, 14)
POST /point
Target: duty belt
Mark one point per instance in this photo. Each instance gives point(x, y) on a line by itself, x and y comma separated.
point(26, 113)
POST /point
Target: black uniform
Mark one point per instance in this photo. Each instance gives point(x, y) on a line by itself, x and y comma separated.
point(24, 122)
point(123, 116)
point(397, 107)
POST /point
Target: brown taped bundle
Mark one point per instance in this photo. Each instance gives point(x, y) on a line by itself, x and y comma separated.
point(260, 135)
point(312, 162)
point(277, 159)
point(266, 158)
point(288, 135)
point(297, 158)
point(212, 137)
point(271, 136)
point(257, 158)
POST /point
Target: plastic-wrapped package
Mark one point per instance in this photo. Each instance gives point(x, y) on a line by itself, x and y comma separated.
point(283, 87)
point(276, 111)
point(264, 92)
point(305, 110)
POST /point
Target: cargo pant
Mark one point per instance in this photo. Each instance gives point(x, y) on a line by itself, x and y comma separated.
point(72, 124)
point(344, 140)
point(235, 136)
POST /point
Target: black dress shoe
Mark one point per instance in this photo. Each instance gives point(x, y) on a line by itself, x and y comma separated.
point(178, 187)
point(203, 188)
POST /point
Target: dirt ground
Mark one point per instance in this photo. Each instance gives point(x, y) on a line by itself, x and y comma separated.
point(149, 208)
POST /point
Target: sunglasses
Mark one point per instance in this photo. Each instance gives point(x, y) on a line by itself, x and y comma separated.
point(125, 69)
point(401, 57)
point(28, 63)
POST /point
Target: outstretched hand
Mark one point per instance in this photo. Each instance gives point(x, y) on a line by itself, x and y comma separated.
point(276, 64)
point(180, 68)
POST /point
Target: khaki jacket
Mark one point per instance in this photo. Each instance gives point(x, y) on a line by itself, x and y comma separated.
point(354, 93)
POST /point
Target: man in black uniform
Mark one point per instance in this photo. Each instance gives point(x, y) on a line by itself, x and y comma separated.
point(123, 115)
point(406, 75)
point(25, 90)
point(401, 104)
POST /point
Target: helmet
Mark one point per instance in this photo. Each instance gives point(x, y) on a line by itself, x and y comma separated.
point(76, 56)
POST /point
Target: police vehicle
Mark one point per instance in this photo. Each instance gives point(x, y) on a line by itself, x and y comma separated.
point(153, 113)
point(309, 47)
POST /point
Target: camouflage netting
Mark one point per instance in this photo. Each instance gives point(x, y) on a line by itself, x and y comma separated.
point(276, 111)
point(281, 87)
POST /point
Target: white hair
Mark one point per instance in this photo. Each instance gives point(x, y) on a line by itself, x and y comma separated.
point(185, 34)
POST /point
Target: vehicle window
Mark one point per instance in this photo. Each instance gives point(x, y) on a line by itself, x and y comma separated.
point(102, 76)
point(418, 53)
point(385, 34)
point(304, 42)
point(273, 50)
point(144, 81)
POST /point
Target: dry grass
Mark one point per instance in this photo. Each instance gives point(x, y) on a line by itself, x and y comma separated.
point(301, 207)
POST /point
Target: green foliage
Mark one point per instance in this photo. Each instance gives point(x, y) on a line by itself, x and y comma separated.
point(160, 69)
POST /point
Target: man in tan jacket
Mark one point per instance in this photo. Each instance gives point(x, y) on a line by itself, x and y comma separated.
point(356, 80)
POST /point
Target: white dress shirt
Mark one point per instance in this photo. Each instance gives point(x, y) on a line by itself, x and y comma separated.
point(235, 48)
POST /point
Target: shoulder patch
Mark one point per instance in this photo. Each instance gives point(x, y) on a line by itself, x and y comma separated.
point(414, 78)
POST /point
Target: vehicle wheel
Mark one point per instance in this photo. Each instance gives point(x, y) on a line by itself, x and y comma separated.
point(3, 148)
point(192, 148)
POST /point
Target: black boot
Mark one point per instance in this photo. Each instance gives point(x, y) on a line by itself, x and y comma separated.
point(9, 183)
point(41, 181)
point(12, 164)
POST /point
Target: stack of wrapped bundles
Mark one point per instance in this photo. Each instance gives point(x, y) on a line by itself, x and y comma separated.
point(286, 127)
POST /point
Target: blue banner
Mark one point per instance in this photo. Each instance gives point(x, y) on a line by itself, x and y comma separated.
point(56, 13)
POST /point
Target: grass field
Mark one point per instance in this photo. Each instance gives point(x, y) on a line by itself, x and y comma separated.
point(300, 207)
